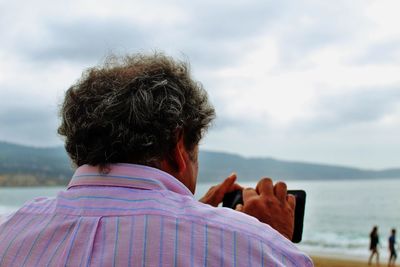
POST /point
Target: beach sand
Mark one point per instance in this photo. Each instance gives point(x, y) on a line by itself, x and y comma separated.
point(336, 262)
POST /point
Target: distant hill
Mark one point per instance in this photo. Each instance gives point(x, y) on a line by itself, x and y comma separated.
point(24, 165)
point(215, 164)
point(31, 166)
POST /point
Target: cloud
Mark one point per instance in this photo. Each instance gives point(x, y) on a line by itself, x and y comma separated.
point(218, 33)
point(212, 34)
point(208, 32)
point(29, 125)
point(386, 52)
point(366, 105)
point(228, 21)
point(222, 30)
point(83, 40)
point(290, 79)
point(311, 25)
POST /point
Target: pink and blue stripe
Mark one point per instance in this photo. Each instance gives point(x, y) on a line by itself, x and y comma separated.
point(137, 216)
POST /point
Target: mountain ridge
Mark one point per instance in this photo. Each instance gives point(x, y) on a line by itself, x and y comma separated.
point(22, 165)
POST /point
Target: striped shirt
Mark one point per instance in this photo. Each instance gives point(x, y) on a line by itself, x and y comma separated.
point(137, 216)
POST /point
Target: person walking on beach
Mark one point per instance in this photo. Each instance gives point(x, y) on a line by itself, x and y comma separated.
point(373, 246)
point(392, 248)
point(132, 128)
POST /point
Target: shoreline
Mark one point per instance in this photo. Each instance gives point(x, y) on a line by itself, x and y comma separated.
point(343, 261)
point(323, 261)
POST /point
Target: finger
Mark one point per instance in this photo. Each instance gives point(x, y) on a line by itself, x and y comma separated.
point(291, 199)
point(230, 180)
point(248, 193)
point(235, 187)
point(265, 187)
point(227, 185)
point(280, 191)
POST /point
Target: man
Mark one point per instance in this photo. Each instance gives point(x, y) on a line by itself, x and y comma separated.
point(392, 248)
point(132, 128)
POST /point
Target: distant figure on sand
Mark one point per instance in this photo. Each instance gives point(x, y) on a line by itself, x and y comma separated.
point(392, 248)
point(373, 246)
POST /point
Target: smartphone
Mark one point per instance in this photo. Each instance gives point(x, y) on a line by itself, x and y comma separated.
point(234, 198)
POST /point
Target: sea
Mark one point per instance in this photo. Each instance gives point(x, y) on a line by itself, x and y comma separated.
point(338, 219)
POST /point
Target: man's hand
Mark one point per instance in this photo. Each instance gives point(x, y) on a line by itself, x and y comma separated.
point(216, 193)
point(271, 205)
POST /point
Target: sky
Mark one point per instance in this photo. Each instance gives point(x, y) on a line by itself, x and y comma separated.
point(302, 80)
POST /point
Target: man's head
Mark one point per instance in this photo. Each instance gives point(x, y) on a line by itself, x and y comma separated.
point(135, 109)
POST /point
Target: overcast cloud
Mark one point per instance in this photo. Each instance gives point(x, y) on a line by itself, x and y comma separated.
point(305, 80)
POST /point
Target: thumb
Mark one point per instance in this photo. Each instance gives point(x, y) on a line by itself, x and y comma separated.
point(239, 207)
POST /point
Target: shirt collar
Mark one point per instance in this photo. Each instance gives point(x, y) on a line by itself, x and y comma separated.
point(128, 175)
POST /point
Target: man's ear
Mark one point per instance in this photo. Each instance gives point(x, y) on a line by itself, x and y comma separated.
point(175, 164)
point(180, 155)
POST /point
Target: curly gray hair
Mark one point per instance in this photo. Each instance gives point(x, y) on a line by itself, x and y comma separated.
point(133, 109)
